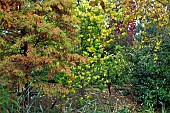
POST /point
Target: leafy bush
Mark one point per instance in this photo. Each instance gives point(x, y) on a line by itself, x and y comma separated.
point(151, 73)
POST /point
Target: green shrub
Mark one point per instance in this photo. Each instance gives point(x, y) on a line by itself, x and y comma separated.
point(151, 73)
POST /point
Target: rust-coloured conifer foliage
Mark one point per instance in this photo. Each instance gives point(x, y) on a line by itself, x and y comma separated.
point(36, 34)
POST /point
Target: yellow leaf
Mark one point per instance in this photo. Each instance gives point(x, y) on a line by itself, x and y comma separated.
point(124, 34)
point(81, 77)
point(155, 57)
point(114, 6)
point(159, 42)
point(79, 67)
point(79, 86)
point(120, 29)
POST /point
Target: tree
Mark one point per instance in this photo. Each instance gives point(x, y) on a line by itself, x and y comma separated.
point(107, 61)
point(37, 36)
point(151, 70)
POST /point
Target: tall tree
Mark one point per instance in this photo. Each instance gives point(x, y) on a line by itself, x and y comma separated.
point(35, 35)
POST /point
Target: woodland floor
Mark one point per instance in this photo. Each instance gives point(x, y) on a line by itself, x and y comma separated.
point(100, 100)
point(120, 99)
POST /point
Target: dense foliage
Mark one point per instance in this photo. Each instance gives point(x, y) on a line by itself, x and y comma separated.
point(37, 37)
point(66, 47)
point(152, 71)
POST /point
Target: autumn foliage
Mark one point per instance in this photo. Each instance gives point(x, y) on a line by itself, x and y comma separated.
point(34, 35)
point(79, 44)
